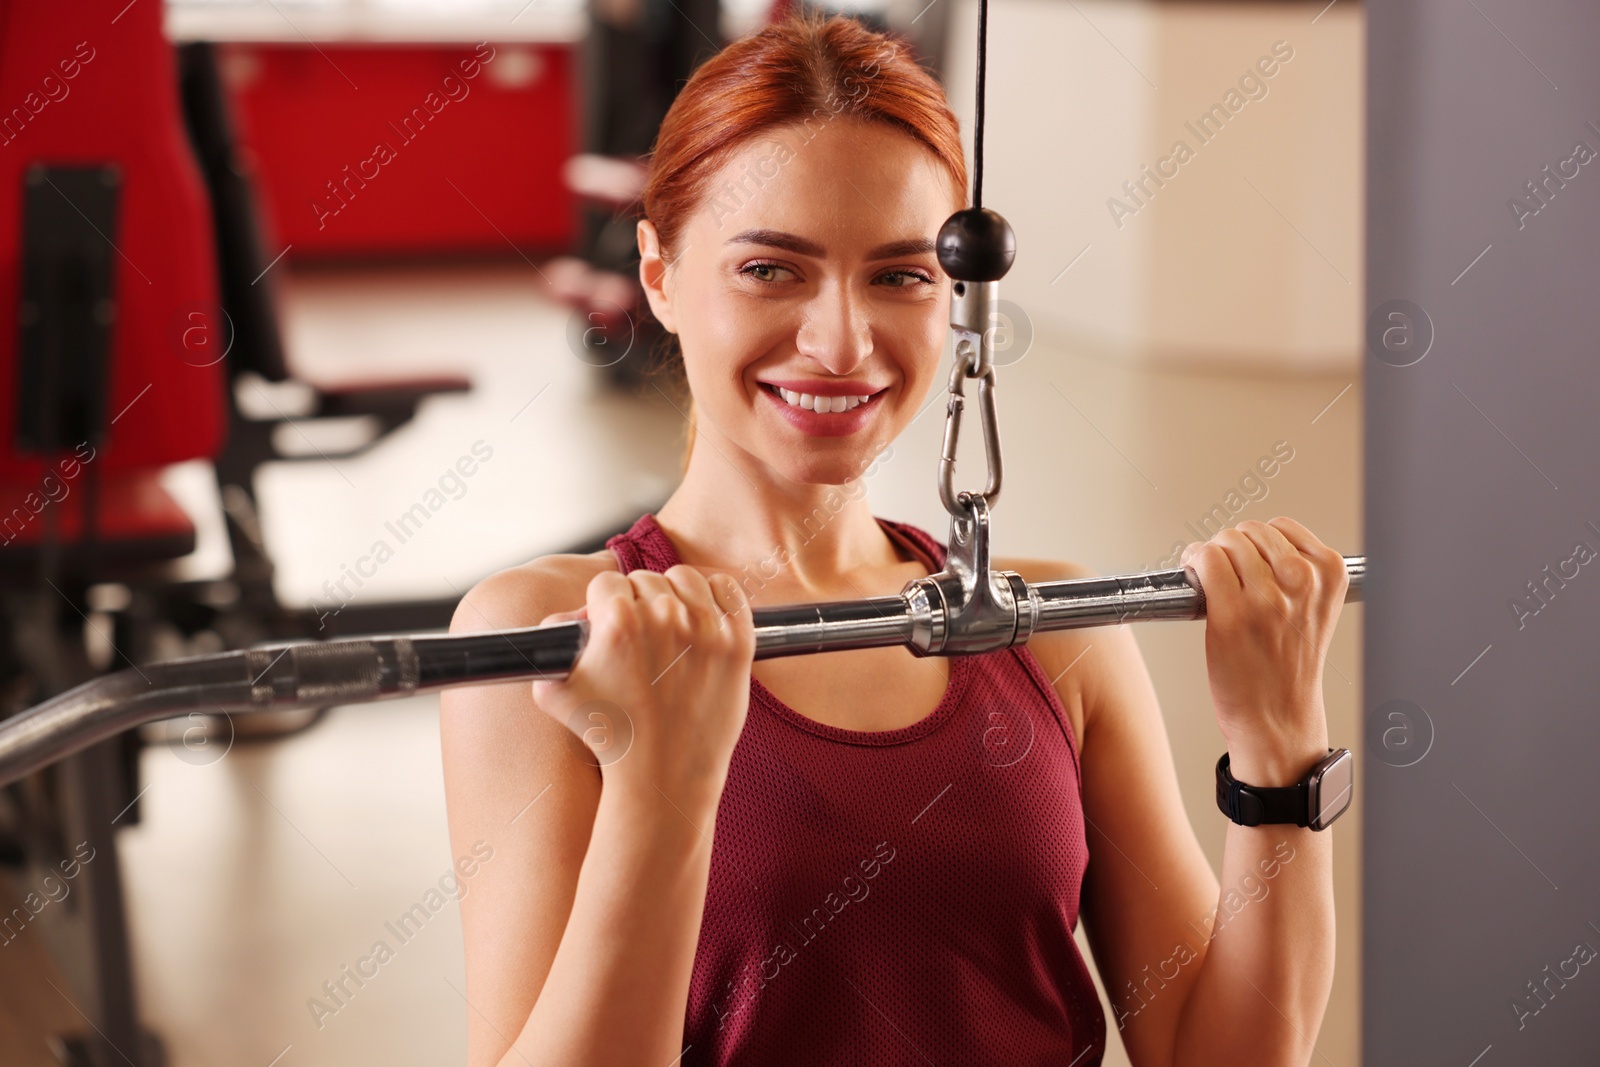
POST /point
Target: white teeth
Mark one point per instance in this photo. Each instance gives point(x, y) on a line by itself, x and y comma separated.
point(824, 404)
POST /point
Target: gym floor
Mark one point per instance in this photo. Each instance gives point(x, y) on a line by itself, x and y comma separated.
point(259, 873)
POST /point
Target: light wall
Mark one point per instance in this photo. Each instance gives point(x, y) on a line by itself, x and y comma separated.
point(1249, 257)
point(1221, 319)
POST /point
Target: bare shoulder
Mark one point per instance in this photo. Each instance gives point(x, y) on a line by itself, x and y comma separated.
point(492, 723)
point(525, 594)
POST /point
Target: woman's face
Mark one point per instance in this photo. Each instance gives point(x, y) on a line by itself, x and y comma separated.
point(810, 270)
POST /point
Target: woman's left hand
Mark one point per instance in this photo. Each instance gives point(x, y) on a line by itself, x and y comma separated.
point(1273, 593)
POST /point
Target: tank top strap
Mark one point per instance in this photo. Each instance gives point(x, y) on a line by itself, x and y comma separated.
point(929, 549)
point(644, 546)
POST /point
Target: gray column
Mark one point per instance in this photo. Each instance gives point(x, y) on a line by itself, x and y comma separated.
point(1482, 704)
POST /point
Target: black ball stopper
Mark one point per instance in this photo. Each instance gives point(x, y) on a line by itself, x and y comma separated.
point(977, 245)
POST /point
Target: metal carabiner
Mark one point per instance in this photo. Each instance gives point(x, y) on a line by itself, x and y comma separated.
point(962, 367)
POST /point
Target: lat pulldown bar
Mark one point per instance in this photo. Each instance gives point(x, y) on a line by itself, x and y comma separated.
point(315, 675)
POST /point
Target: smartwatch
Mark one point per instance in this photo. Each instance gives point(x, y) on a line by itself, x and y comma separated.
point(1315, 801)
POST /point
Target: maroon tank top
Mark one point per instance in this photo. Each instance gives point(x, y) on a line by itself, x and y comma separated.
point(901, 896)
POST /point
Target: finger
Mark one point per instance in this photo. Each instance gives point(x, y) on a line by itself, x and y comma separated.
point(1301, 538)
point(1294, 531)
point(1203, 557)
point(648, 585)
point(610, 598)
point(608, 585)
point(1331, 560)
point(564, 616)
point(1285, 560)
point(729, 596)
point(1214, 573)
point(1252, 567)
point(691, 587)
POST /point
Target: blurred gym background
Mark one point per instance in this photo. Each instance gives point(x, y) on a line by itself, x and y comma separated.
point(299, 339)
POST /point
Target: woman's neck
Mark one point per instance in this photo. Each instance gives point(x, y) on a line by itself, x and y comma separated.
point(807, 539)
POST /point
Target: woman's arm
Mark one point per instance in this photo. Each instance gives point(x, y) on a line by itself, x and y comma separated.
point(1199, 973)
point(1273, 596)
point(580, 933)
point(1148, 878)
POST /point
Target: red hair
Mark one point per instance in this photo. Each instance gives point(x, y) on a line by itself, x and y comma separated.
point(802, 69)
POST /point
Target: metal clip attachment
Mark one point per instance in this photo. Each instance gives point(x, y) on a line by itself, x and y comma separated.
point(970, 315)
point(968, 606)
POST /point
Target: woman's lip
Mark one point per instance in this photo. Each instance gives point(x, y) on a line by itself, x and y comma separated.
point(825, 424)
point(828, 388)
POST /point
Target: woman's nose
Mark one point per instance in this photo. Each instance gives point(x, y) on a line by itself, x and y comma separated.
point(836, 331)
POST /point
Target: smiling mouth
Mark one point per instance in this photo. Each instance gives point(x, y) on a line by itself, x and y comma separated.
point(821, 405)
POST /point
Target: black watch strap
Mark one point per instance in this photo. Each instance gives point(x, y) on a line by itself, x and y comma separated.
point(1250, 805)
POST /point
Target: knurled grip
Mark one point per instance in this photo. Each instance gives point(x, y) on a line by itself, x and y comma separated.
point(322, 675)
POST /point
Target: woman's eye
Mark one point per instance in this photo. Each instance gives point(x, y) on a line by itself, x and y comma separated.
point(897, 279)
point(907, 277)
point(763, 271)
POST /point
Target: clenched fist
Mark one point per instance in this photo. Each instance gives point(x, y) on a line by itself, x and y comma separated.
point(1273, 593)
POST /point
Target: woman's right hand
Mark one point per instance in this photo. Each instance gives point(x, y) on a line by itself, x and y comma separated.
point(660, 693)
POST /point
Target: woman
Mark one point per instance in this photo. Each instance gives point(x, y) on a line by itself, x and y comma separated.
point(860, 856)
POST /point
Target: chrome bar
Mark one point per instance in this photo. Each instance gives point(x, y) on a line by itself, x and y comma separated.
point(315, 675)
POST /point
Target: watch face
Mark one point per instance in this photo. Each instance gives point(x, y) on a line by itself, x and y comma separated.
point(1332, 790)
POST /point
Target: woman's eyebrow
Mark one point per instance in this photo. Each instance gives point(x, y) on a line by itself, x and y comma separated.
point(914, 246)
point(799, 245)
